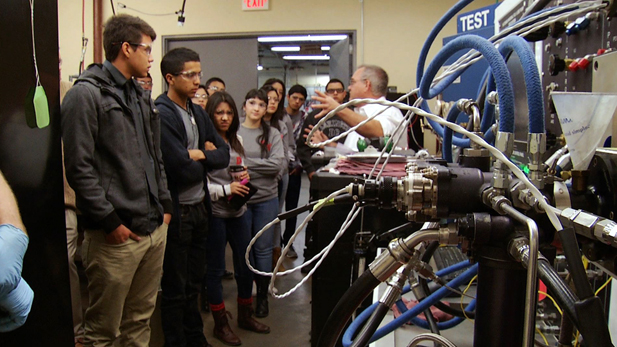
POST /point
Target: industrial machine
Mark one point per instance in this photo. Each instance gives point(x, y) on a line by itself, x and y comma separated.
point(525, 188)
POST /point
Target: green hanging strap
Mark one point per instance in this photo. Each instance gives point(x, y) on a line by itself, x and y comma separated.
point(36, 108)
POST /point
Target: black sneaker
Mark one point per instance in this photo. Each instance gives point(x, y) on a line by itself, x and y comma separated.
point(291, 253)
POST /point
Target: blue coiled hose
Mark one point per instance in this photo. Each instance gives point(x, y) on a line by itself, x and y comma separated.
point(495, 61)
point(533, 84)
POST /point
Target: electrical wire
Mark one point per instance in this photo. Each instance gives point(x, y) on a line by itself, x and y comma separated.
point(113, 9)
point(553, 300)
point(36, 65)
point(320, 256)
point(121, 5)
point(542, 335)
point(604, 285)
point(464, 292)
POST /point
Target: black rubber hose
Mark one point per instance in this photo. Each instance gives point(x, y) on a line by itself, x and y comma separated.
point(432, 324)
point(575, 264)
point(559, 289)
point(343, 310)
point(566, 330)
point(426, 257)
point(364, 336)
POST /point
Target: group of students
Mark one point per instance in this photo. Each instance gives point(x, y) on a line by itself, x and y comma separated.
point(166, 184)
point(163, 186)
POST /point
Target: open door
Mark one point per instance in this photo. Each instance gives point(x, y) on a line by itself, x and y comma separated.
point(340, 61)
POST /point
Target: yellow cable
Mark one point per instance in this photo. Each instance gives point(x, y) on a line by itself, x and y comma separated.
point(543, 337)
point(576, 339)
point(604, 285)
point(553, 300)
point(465, 292)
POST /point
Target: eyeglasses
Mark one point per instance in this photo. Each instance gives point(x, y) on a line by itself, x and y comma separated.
point(335, 91)
point(273, 99)
point(201, 96)
point(147, 47)
point(144, 83)
point(190, 75)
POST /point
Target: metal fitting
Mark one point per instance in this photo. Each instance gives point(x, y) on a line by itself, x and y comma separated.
point(400, 252)
point(492, 197)
point(476, 152)
point(606, 231)
point(582, 222)
point(417, 193)
point(493, 98)
point(448, 235)
point(505, 142)
point(536, 146)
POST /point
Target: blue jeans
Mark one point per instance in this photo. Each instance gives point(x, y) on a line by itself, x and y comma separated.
point(291, 202)
point(185, 258)
point(237, 231)
point(260, 214)
point(282, 191)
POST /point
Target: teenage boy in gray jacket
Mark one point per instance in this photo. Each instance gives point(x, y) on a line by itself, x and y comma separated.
point(114, 163)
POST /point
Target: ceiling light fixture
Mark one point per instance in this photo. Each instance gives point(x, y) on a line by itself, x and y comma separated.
point(285, 49)
point(306, 57)
point(259, 67)
point(301, 38)
point(325, 48)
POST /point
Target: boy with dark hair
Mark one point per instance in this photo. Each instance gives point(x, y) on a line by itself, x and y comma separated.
point(214, 84)
point(113, 161)
point(190, 146)
point(295, 100)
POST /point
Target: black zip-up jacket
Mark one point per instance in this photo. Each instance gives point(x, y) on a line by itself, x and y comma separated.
point(102, 154)
point(182, 171)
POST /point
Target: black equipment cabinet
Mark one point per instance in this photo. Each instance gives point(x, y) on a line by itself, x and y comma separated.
point(336, 273)
point(31, 161)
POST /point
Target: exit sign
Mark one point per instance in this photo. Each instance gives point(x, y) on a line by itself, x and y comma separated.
point(255, 5)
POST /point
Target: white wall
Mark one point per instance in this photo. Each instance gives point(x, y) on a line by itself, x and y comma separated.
point(394, 30)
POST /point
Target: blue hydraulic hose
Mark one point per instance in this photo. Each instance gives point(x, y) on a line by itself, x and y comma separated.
point(422, 305)
point(533, 84)
point(447, 135)
point(497, 64)
point(441, 23)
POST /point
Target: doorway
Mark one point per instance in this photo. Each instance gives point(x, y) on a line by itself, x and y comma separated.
point(245, 61)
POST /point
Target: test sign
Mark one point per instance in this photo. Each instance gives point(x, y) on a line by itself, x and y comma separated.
point(255, 5)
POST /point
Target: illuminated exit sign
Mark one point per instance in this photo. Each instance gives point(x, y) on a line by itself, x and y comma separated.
point(255, 5)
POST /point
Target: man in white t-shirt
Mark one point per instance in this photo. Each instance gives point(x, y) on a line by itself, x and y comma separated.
point(368, 82)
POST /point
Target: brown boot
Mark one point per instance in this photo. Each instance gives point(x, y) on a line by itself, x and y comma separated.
point(276, 254)
point(247, 322)
point(222, 331)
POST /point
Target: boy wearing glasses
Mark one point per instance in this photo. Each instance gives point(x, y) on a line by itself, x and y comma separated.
point(191, 146)
point(113, 161)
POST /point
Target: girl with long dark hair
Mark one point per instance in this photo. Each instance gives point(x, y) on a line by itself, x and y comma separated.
point(229, 224)
point(264, 157)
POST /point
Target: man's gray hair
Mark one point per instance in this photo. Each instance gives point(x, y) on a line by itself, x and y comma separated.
point(378, 78)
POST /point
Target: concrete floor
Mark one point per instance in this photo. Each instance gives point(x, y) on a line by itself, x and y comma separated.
point(289, 318)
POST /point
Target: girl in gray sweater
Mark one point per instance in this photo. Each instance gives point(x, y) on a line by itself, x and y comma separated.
point(229, 225)
point(264, 157)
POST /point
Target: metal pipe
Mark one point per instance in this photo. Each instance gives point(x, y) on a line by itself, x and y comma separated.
point(532, 271)
point(399, 253)
point(97, 42)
